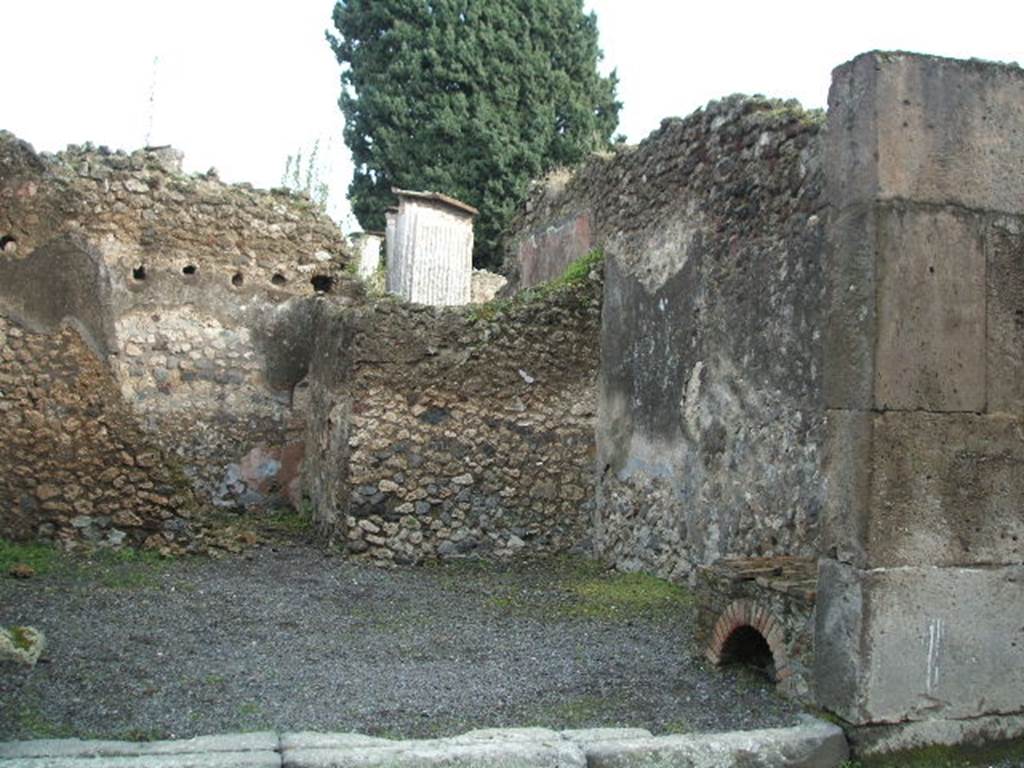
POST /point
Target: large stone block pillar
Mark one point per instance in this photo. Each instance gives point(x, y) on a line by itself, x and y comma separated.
point(920, 619)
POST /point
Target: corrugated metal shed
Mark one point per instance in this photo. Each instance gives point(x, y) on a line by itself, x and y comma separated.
point(430, 256)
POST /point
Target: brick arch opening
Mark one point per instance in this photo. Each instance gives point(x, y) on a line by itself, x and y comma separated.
point(748, 633)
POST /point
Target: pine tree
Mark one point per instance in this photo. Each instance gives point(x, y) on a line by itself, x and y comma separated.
point(472, 98)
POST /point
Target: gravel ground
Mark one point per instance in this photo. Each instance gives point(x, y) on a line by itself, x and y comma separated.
point(288, 637)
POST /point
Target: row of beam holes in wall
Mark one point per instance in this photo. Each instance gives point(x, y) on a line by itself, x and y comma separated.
point(320, 283)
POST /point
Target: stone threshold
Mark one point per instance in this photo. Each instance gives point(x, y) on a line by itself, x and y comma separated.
point(812, 744)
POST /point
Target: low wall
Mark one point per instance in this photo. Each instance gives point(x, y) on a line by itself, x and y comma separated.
point(471, 431)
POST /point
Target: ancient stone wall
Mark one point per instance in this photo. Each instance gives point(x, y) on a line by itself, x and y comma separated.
point(191, 271)
point(74, 463)
point(471, 431)
point(920, 622)
point(710, 413)
point(140, 210)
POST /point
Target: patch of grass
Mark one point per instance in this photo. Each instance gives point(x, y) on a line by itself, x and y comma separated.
point(41, 557)
point(575, 275)
point(946, 757)
point(32, 723)
point(21, 637)
point(249, 709)
point(627, 594)
point(579, 271)
point(583, 711)
point(123, 568)
point(587, 589)
point(252, 717)
point(139, 735)
point(289, 521)
point(678, 726)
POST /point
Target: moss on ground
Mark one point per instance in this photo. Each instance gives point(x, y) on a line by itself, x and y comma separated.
point(584, 711)
point(289, 522)
point(21, 637)
point(41, 557)
point(113, 568)
point(590, 591)
point(627, 594)
point(1011, 753)
point(124, 568)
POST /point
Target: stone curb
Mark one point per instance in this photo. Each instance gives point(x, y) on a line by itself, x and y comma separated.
point(814, 744)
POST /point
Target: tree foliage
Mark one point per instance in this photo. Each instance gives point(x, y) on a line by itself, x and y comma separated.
point(472, 98)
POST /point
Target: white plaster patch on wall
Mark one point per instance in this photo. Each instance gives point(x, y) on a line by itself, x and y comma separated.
point(657, 258)
point(691, 398)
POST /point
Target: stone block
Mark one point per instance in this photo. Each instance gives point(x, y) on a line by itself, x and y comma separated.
point(928, 129)
point(918, 644)
point(946, 490)
point(886, 739)
point(850, 324)
point(1005, 257)
point(317, 740)
point(930, 344)
point(847, 468)
point(262, 741)
point(813, 745)
point(922, 488)
point(511, 753)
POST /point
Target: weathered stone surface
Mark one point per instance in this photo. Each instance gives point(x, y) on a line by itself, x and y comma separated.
point(916, 620)
point(65, 281)
point(847, 464)
point(930, 344)
point(917, 487)
point(910, 644)
point(874, 740)
point(139, 210)
point(264, 741)
point(945, 490)
point(198, 760)
point(453, 453)
point(928, 129)
point(174, 276)
point(850, 324)
point(314, 740)
point(588, 736)
point(815, 745)
point(510, 753)
point(1005, 321)
point(63, 431)
point(709, 419)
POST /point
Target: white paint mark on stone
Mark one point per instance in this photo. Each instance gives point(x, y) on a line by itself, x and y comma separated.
point(934, 652)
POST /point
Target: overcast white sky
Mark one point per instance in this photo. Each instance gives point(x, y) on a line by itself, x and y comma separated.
point(240, 85)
